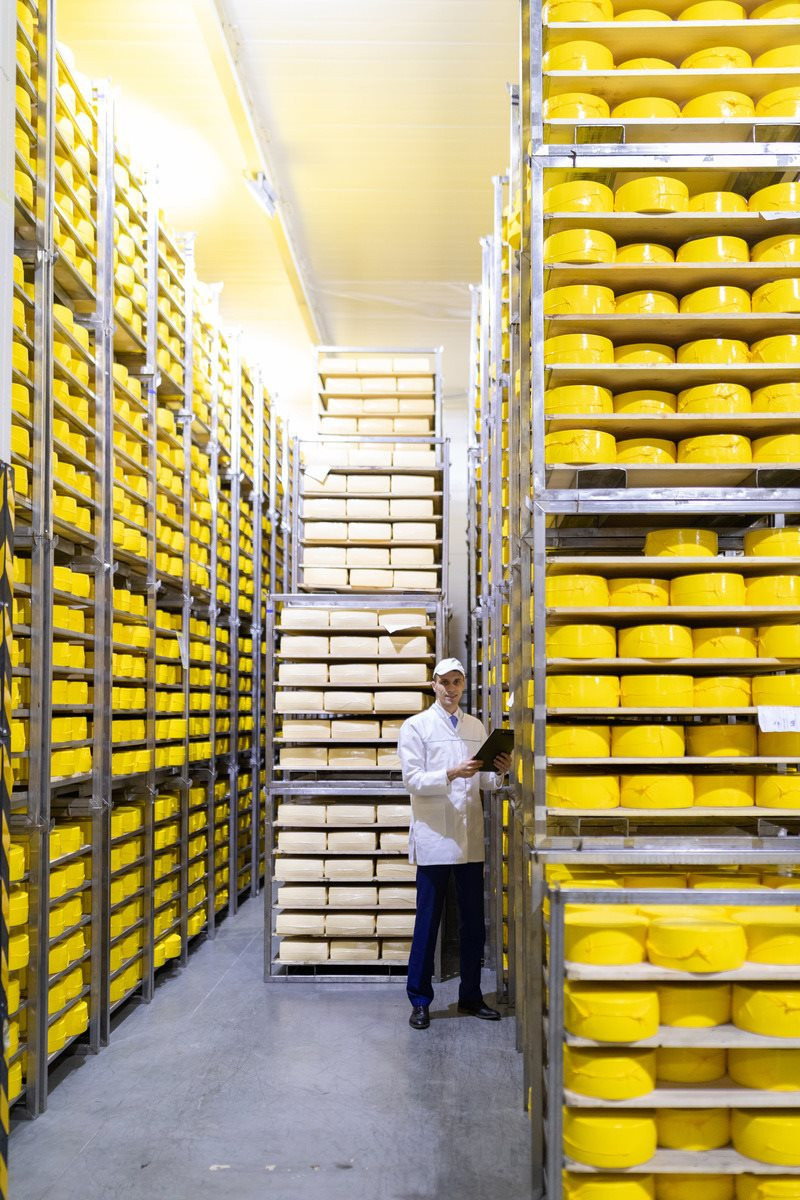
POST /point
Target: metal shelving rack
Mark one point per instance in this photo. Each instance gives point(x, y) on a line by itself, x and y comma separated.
point(362, 386)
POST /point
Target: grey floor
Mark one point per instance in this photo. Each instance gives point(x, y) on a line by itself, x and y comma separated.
point(228, 1088)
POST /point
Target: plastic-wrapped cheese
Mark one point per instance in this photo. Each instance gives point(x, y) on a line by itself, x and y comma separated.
point(579, 106)
point(638, 593)
point(776, 689)
point(773, 590)
point(718, 58)
point(655, 641)
point(656, 791)
point(579, 246)
point(652, 194)
point(681, 543)
point(645, 450)
point(779, 641)
point(717, 202)
point(688, 1187)
point(695, 1005)
point(725, 641)
point(609, 1139)
point(779, 296)
point(578, 56)
point(608, 1186)
point(644, 253)
point(721, 741)
point(718, 248)
point(684, 944)
point(655, 353)
point(779, 56)
point(583, 195)
point(574, 11)
point(720, 298)
point(576, 591)
point(609, 1074)
point(582, 791)
point(647, 741)
point(581, 641)
point(777, 397)
point(606, 1013)
point(773, 935)
point(714, 588)
point(722, 104)
point(784, 248)
point(781, 348)
point(578, 741)
point(584, 691)
point(777, 448)
point(656, 691)
point(775, 543)
point(784, 102)
point(646, 303)
point(590, 348)
point(768, 1136)
point(778, 791)
point(778, 197)
point(608, 935)
point(770, 1070)
point(646, 108)
point(584, 398)
point(696, 1065)
point(645, 402)
point(728, 352)
point(693, 1128)
point(724, 791)
point(580, 447)
point(772, 1010)
point(578, 298)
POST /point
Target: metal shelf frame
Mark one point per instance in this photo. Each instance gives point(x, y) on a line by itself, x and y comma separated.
point(434, 353)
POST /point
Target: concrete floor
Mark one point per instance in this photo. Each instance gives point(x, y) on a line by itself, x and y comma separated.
point(227, 1088)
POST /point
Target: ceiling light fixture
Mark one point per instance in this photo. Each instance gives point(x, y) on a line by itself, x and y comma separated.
point(262, 189)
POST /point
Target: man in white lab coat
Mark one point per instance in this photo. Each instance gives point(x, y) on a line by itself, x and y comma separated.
point(436, 749)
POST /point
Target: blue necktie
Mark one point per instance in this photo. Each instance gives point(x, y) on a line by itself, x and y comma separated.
point(454, 721)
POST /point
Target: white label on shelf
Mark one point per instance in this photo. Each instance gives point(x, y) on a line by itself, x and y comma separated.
point(318, 471)
point(212, 492)
point(395, 622)
point(773, 718)
point(183, 646)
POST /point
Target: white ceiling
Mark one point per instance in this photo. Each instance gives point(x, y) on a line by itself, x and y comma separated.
point(381, 122)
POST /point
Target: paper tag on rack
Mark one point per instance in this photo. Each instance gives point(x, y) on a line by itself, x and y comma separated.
point(318, 471)
point(396, 622)
point(183, 646)
point(773, 718)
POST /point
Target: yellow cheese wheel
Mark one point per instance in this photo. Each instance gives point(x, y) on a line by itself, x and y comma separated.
point(609, 1074)
point(721, 741)
point(582, 196)
point(579, 246)
point(647, 741)
point(681, 543)
point(23, 186)
point(647, 401)
point(656, 791)
point(714, 588)
point(675, 1064)
point(656, 878)
point(719, 248)
point(687, 1187)
point(781, 348)
point(768, 1136)
point(718, 58)
point(715, 398)
point(717, 202)
point(724, 791)
point(776, 10)
point(608, 1187)
point(582, 298)
point(717, 299)
point(718, 448)
point(645, 450)
point(784, 102)
point(567, 11)
point(778, 791)
point(785, 248)
point(766, 1187)
point(655, 353)
point(699, 946)
point(646, 64)
point(578, 348)
point(655, 641)
point(647, 108)
point(773, 543)
point(776, 689)
point(578, 56)
point(782, 296)
point(777, 448)
point(584, 398)
point(646, 304)
point(645, 252)
point(652, 194)
point(609, 1139)
point(695, 1005)
point(578, 741)
point(779, 641)
point(605, 1013)
point(583, 691)
point(656, 691)
point(20, 359)
point(713, 10)
point(693, 1128)
point(637, 593)
point(605, 935)
point(725, 642)
point(580, 446)
point(645, 15)
point(582, 641)
point(578, 106)
point(770, 1070)
point(576, 591)
point(723, 105)
point(769, 1009)
point(725, 351)
point(582, 791)
point(773, 935)
point(773, 589)
point(779, 56)
point(779, 745)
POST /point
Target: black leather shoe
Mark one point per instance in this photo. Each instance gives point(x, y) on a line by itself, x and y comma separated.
point(480, 1010)
point(419, 1018)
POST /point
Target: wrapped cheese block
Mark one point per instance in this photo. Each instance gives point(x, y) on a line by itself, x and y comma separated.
point(371, 510)
point(394, 842)
point(414, 557)
point(407, 702)
point(306, 617)
point(344, 813)
point(350, 924)
point(396, 949)
point(354, 731)
point(302, 924)
point(370, 579)
point(388, 759)
point(342, 646)
point(354, 758)
point(348, 702)
point(394, 814)
point(348, 868)
point(303, 674)
point(292, 869)
point(353, 950)
point(301, 731)
point(395, 924)
point(325, 578)
point(301, 814)
point(300, 701)
point(397, 897)
point(368, 556)
point(325, 556)
point(304, 647)
point(302, 950)
point(395, 869)
point(354, 672)
point(411, 510)
point(353, 897)
point(401, 645)
point(352, 841)
point(289, 896)
point(305, 842)
point(401, 672)
point(300, 757)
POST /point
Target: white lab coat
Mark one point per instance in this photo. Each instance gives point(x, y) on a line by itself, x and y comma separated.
point(446, 816)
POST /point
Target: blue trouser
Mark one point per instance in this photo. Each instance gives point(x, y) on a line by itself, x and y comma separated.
point(431, 890)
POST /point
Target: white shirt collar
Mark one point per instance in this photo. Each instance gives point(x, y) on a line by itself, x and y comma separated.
point(446, 715)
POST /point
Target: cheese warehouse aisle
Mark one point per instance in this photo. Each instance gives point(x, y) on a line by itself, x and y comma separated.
point(229, 1090)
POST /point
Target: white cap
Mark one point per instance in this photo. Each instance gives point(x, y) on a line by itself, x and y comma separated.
point(448, 664)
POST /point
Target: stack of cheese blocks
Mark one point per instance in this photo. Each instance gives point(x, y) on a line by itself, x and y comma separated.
point(708, 1033)
point(247, 460)
point(197, 871)
point(224, 397)
point(202, 352)
point(246, 535)
point(74, 223)
point(127, 902)
point(346, 889)
point(170, 466)
point(200, 521)
point(244, 833)
point(70, 657)
point(130, 256)
point(21, 380)
point(376, 396)
point(224, 548)
point(70, 914)
point(222, 842)
point(18, 958)
point(20, 668)
point(24, 130)
point(244, 723)
point(690, 62)
point(167, 876)
point(223, 694)
point(74, 471)
point(131, 642)
point(170, 328)
point(170, 721)
point(200, 689)
point(132, 462)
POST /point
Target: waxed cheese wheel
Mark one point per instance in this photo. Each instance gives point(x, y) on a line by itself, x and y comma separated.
point(608, 1186)
point(713, 588)
point(779, 641)
point(695, 1065)
point(772, 1010)
point(578, 741)
point(694, 1006)
point(581, 641)
point(609, 1013)
point(777, 690)
point(582, 691)
point(768, 1136)
point(721, 741)
point(647, 741)
point(606, 935)
point(609, 1074)
point(779, 542)
point(609, 1139)
point(652, 194)
point(582, 791)
point(682, 1187)
point(765, 590)
point(583, 398)
point(656, 691)
point(723, 641)
point(778, 791)
point(681, 543)
point(693, 1128)
point(576, 591)
point(724, 791)
point(773, 935)
point(715, 398)
point(771, 1070)
point(655, 641)
point(684, 944)
point(656, 791)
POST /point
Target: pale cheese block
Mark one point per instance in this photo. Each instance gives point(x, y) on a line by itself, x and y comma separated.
point(391, 840)
point(321, 457)
point(291, 841)
point(402, 672)
point(313, 485)
point(337, 364)
point(396, 949)
point(301, 814)
point(326, 531)
point(300, 701)
point(302, 924)
point(353, 897)
point(368, 556)
point(348, 702)
point(345, 383)
point(302, 950)
point(353, 618)
point(325, 578)
point(352, 841)
point(411, 485)
point(350, 924)
point(325, 556)
point(421, 406)
point(411, 510)
point(338, 425)
point(414, 581)
point(353, 757)
point(395, 869)
point(289, 896)
point(295, 869)
point(356, 731)
point(351, 950)
point(376, 387)
point(414, 531)
point(353, 647)
point(301, 731)
point(396, 620)
point(324, 510)
point(390, 730)
point(354, 672)
point(413, 457)
point(348, 868)
point(416, 557)
point(413, 362)
point(340, 403)
point(344, 814)
point(410, 702)
point(371, 579)
point(304, 674)
point(370, 531)
point(411, 426)
point(394, 814)
point(304, 618)
point(369, 483)
point(368, 508)
point(304, 647)
point(376, 365)
point(380, 406)
point(395, 897)
point(376, 456)
point(388, 759)
point(395, 924)
point(376, 425)
point(403, 646)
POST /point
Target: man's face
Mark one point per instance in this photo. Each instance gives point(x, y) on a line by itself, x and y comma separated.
point(449, 689)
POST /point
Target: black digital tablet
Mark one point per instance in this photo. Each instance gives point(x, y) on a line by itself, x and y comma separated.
point(499, 741)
